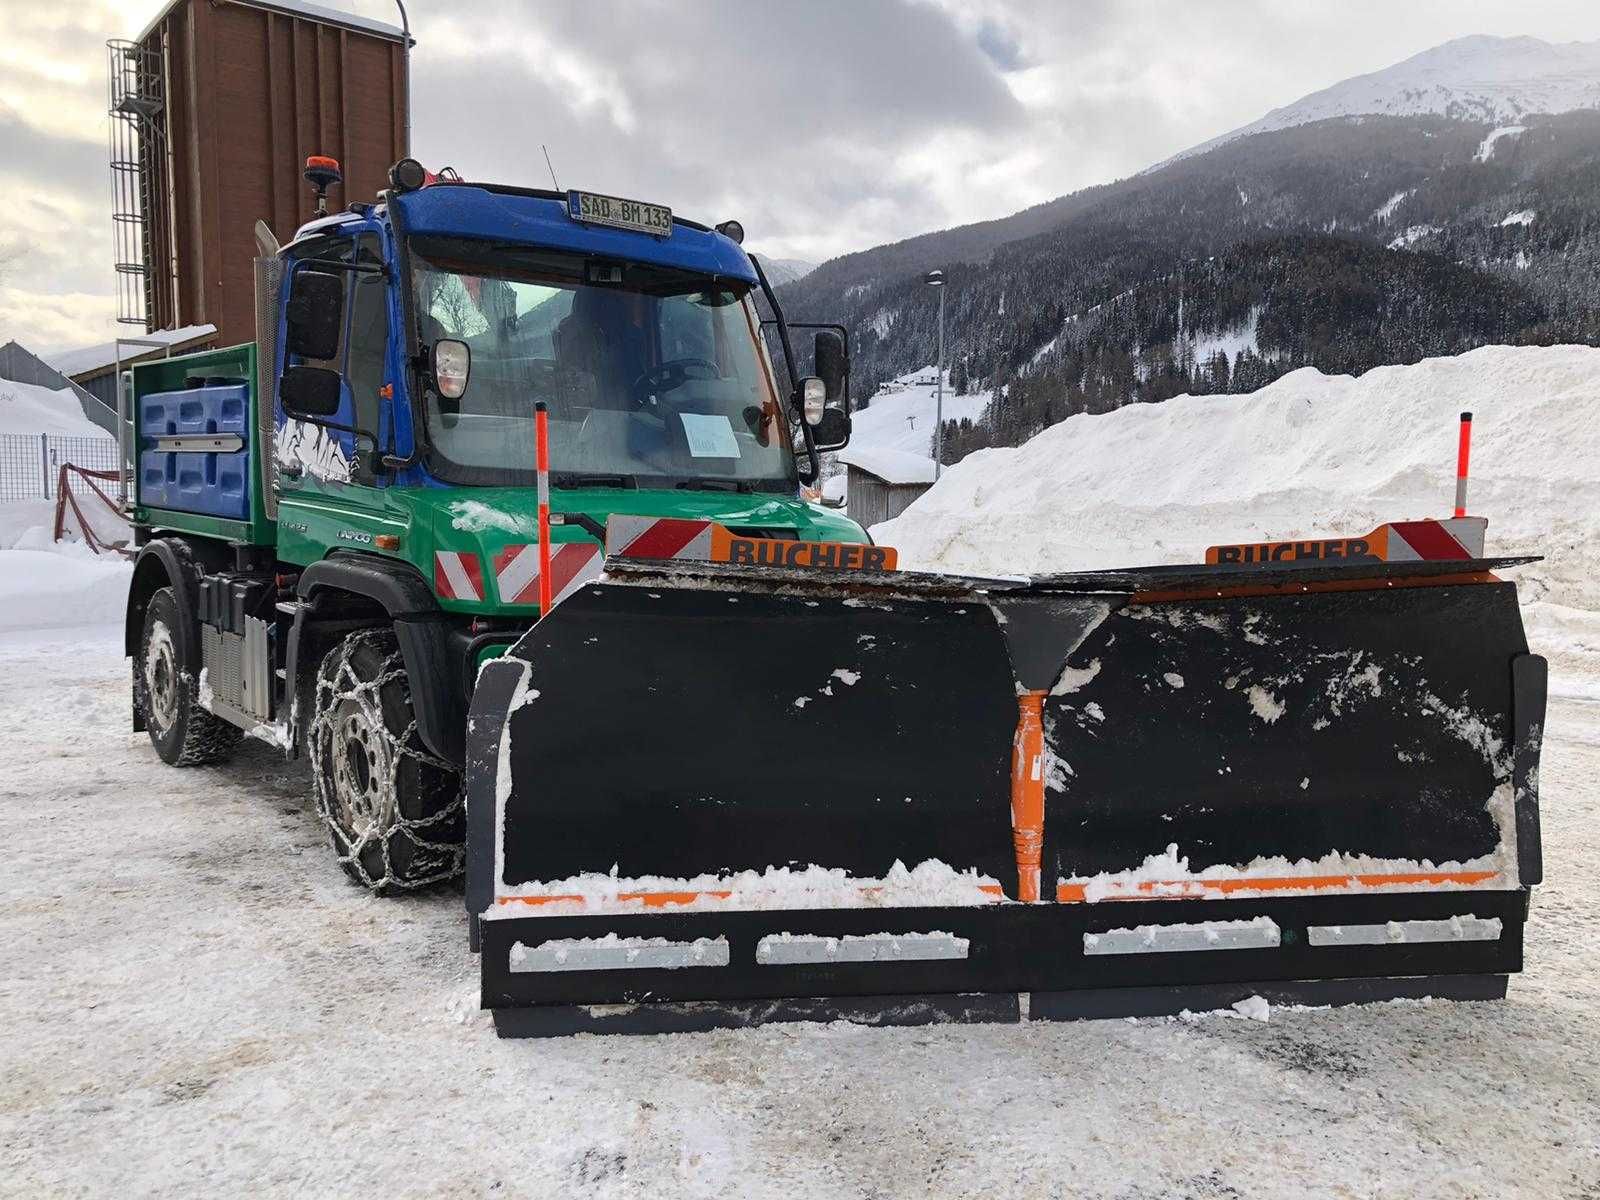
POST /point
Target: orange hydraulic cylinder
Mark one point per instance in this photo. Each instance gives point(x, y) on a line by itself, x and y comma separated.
point(1027, 793)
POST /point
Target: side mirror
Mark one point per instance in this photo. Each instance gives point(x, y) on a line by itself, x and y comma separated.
point(452, 366)
point(832, 364)
point(315, 315)
point(310, 392)
point(832, 432)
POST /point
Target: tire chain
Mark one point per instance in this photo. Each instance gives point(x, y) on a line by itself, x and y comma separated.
point(329, 693)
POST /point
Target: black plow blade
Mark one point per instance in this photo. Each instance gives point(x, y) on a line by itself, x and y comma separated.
point(721, 796)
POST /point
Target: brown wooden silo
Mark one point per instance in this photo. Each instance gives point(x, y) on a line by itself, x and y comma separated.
point(251, 88)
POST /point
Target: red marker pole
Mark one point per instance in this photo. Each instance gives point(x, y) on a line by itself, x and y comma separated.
point(1463, 452)
point(541, 437)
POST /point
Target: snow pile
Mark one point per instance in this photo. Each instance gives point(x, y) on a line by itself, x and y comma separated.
point(1310, 454)
point(930, 883)
point(52, 585)
point(29, 408)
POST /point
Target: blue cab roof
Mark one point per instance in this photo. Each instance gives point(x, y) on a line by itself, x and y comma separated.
point(533, 219)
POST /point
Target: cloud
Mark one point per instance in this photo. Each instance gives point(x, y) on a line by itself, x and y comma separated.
point(824, 125)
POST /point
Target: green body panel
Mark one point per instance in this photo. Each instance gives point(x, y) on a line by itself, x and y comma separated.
point(167, 375)
point(319, 517)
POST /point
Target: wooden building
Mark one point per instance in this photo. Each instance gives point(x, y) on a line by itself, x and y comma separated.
point(230, 97)
point(882, 484)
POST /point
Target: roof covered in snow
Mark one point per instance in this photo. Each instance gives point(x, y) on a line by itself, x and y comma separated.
point(29, 408)
point(898, 467)
point(92, 360)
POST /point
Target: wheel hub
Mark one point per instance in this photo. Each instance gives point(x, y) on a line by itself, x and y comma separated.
point(161, 676)
point(361, 770)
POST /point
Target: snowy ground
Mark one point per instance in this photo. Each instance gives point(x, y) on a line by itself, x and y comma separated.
point(193, 1001)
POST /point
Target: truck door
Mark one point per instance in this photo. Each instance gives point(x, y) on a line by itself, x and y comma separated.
point(329, 489)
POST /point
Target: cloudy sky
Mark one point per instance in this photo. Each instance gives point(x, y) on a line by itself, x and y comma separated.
point(824, 125)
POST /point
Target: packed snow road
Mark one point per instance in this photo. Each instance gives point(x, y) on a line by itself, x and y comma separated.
point(193, 1001)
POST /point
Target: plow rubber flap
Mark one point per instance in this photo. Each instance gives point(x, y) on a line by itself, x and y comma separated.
point(1373, 724)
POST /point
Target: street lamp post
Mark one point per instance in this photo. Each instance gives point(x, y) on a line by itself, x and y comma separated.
point(405, 51)
point(936, 280)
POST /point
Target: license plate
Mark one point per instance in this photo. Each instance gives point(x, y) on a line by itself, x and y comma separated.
point(594, 209)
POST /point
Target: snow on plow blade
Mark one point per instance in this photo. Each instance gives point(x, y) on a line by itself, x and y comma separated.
point(706, 794)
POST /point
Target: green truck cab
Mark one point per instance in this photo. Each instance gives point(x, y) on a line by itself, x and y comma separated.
point(337, 523)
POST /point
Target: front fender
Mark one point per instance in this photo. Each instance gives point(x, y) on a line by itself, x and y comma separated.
point(438, 696)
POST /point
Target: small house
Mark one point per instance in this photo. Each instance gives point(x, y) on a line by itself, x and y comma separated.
point(881, 483)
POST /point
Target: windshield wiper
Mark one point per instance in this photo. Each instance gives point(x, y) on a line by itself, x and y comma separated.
point(715, 485)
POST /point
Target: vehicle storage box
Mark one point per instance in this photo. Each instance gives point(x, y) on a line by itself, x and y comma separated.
point(215, 482)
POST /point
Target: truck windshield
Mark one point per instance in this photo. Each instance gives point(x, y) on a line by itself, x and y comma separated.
point(654, 377)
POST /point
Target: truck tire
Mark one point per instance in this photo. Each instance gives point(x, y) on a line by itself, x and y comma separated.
point(165, 689)
point(393, 811)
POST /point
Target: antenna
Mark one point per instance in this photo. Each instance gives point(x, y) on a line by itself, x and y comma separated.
point(553, 178)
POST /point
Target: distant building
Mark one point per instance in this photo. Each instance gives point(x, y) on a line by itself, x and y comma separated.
point(881, 483)
point(21, 365)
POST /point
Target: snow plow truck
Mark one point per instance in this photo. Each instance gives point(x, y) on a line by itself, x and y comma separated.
point(499, 523)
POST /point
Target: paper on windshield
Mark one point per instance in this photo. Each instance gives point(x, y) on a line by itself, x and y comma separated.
point(710, 435)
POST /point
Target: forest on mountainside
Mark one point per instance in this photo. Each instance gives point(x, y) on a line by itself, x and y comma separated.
point(1344, 245)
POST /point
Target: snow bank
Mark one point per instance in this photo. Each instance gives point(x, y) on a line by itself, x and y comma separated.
point(28, 408)
point(1309, 454)
point(53, 585)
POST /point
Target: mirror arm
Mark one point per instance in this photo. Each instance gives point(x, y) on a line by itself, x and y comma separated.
point(788, 360)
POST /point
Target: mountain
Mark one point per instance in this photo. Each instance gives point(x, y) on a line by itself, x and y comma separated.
point(1343, 242)
point(1478, 78)
point(785, 270)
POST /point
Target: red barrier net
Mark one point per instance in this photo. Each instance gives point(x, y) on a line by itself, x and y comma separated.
point(75, 486)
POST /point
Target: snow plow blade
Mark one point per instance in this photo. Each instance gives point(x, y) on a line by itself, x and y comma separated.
point(706, 794)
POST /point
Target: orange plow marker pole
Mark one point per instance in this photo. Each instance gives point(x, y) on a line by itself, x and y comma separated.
point(541, 435)
point(1027, 793)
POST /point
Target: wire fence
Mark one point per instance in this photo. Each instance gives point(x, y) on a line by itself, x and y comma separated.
point(31, 462)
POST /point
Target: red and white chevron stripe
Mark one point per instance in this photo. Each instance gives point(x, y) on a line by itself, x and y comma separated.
point(1431, 540)
point(658, 537)
point(457, 575)
point(572, 564)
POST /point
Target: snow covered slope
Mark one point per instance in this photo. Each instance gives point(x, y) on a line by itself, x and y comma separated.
point(1310, 453)
point(1476, 78)
point(901, 415)
point(28, 408)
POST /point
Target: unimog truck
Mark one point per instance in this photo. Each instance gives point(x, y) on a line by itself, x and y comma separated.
point(337, 523)
point(501, 518)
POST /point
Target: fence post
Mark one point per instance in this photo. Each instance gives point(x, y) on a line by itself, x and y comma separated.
point(44, 462)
